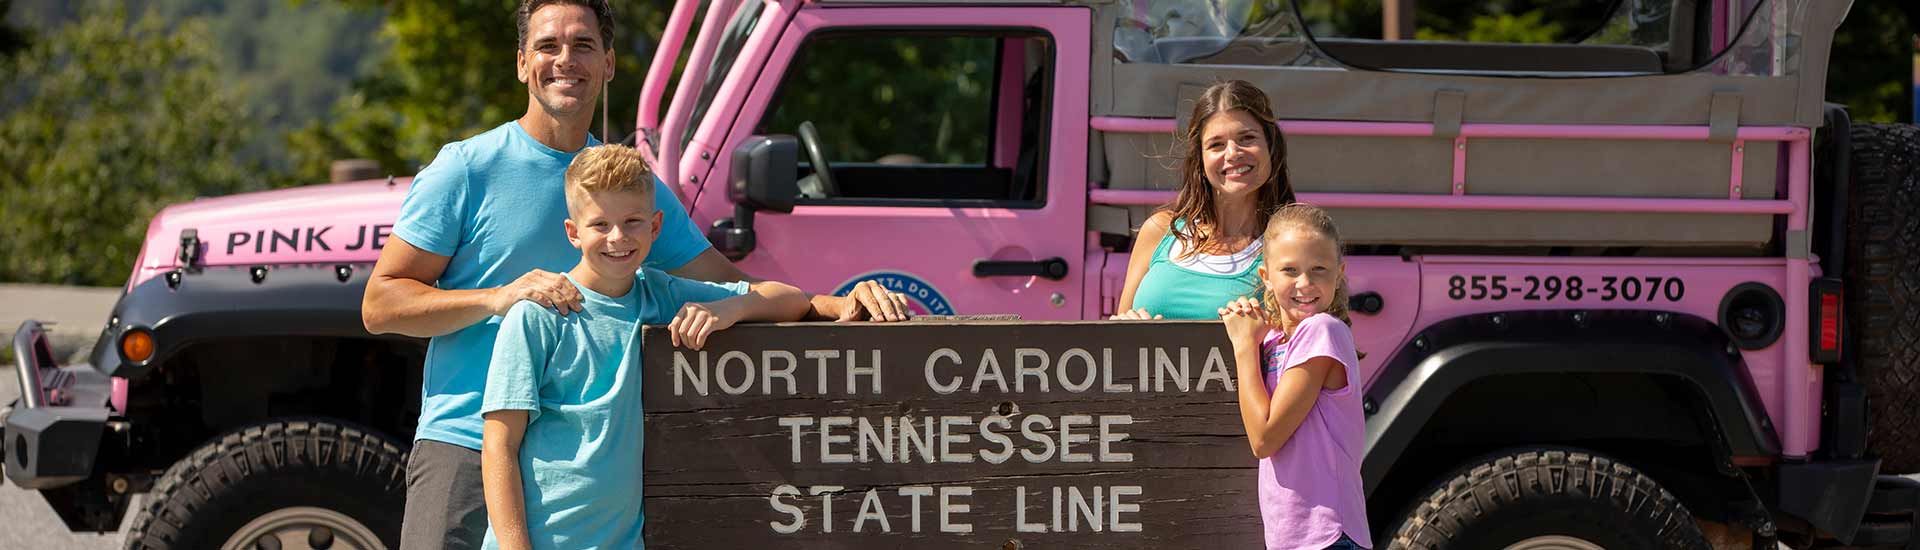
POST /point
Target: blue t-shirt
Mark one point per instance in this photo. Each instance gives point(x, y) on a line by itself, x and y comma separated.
point(579, 379)
point(495, 205)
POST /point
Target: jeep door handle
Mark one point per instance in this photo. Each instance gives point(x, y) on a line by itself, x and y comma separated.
point(1050, 268)
point(1367, 303)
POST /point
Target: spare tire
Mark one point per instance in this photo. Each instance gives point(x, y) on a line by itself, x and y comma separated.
point(1882, 275)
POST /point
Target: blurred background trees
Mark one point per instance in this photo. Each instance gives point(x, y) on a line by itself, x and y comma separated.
point(95, 139)
point(111, 110)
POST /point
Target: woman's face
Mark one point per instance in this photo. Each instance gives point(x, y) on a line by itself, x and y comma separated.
point(1233, 152)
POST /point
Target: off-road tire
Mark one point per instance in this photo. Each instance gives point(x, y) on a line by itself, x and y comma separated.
point(1883, 286)
point(246, 474)
point(1495, 501)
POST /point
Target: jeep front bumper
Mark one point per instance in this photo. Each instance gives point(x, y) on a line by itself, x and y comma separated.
point(52, 434)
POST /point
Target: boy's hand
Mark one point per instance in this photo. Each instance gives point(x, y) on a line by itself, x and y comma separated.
point(1246, 322)
point(695, 322)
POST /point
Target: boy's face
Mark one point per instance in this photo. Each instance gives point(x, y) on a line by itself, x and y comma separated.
point(614, 230)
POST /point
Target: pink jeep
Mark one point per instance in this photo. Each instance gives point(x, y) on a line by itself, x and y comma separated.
point(1655, 250)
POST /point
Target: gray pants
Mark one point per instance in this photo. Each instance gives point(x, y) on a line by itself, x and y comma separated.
point(446, 508)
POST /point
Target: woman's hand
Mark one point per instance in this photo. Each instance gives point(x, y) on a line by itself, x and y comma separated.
point(1246, 322)
point(1136, 314)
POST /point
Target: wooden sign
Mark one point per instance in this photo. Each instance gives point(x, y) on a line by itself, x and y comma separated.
point(948, 435)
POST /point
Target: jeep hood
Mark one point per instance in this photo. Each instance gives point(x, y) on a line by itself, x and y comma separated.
point(342, 223)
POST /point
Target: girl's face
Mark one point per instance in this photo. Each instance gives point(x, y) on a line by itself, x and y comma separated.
point(1302, 271)
point(1234, 153)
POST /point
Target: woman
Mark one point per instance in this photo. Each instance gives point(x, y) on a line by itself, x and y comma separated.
point(1202, 250)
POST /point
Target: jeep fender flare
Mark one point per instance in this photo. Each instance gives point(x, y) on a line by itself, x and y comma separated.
point(1452, 354)
point(186, 307)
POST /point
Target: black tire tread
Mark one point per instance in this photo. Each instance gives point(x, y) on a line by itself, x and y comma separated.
point(192, 484)
point(1518, 478)
point(1882, 280)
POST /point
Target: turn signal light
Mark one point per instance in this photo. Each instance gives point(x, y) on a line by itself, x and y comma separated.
point(136, 345)
point(1826, 297)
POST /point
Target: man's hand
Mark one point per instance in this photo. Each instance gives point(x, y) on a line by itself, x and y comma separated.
point(695, 322)
point(874, 302)
point(1246, 322)
point(548, 289)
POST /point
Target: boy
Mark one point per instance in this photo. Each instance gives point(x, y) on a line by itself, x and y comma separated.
point(561, 440)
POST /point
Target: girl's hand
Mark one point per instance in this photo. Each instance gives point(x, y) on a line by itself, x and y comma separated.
point(1136, 314)
point(696, 321)
point(1246, 322)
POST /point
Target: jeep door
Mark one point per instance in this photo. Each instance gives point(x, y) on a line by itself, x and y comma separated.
point(954, 144)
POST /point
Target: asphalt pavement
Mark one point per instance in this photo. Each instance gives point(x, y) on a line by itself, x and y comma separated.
point(25, 519)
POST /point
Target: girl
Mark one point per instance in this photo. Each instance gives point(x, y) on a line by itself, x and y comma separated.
point(1298, 378)
point(1202, 249)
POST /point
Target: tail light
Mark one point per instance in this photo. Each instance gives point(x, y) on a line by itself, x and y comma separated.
point(1826, 331)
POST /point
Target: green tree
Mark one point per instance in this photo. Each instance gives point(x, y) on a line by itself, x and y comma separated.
point(116, 119)
point(863, 109)
point(11, 39)
point(1870, 69)
point(1526, 28)
point(450, 75)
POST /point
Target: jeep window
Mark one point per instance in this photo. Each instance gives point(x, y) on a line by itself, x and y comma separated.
point(920, 118)
point(1552, 38)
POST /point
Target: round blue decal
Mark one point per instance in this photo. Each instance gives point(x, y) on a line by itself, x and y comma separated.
point(922, 294)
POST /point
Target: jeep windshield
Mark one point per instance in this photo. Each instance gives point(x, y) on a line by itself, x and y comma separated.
point(732, 38)
point(1534, 38)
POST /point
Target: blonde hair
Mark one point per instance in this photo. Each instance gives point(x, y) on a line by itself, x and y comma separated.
point(1299, 216)
point(607, 168)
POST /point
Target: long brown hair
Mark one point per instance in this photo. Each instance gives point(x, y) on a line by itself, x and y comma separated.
point(1195, 203)
point(1311, 218)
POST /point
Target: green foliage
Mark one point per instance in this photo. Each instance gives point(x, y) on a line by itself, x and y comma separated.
point(290, 60)
point(11, 39)
point(450, 75)
point(1526, 28)
point(115, 120)
point(1870, 69)
point(932, 89)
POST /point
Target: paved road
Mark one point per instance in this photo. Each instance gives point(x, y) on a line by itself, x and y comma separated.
point(76, 314)
point(25, 519)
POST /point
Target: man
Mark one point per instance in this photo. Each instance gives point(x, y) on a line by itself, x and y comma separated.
point(479, 231)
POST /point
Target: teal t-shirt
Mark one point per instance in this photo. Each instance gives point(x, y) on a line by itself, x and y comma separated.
point(495, 205)
point(579, 379)
point(1176, 292)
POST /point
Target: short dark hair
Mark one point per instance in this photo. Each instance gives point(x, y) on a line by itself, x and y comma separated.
point(602, 12)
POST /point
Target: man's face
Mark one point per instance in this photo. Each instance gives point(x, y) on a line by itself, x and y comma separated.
point(564, 64)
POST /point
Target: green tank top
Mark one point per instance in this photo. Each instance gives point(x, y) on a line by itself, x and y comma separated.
point(1175, 292)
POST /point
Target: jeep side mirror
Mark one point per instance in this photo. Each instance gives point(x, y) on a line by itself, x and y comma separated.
point(765, 177)
point(766, 172)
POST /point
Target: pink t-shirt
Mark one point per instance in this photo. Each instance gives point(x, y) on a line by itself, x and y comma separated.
point(1310, 491)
